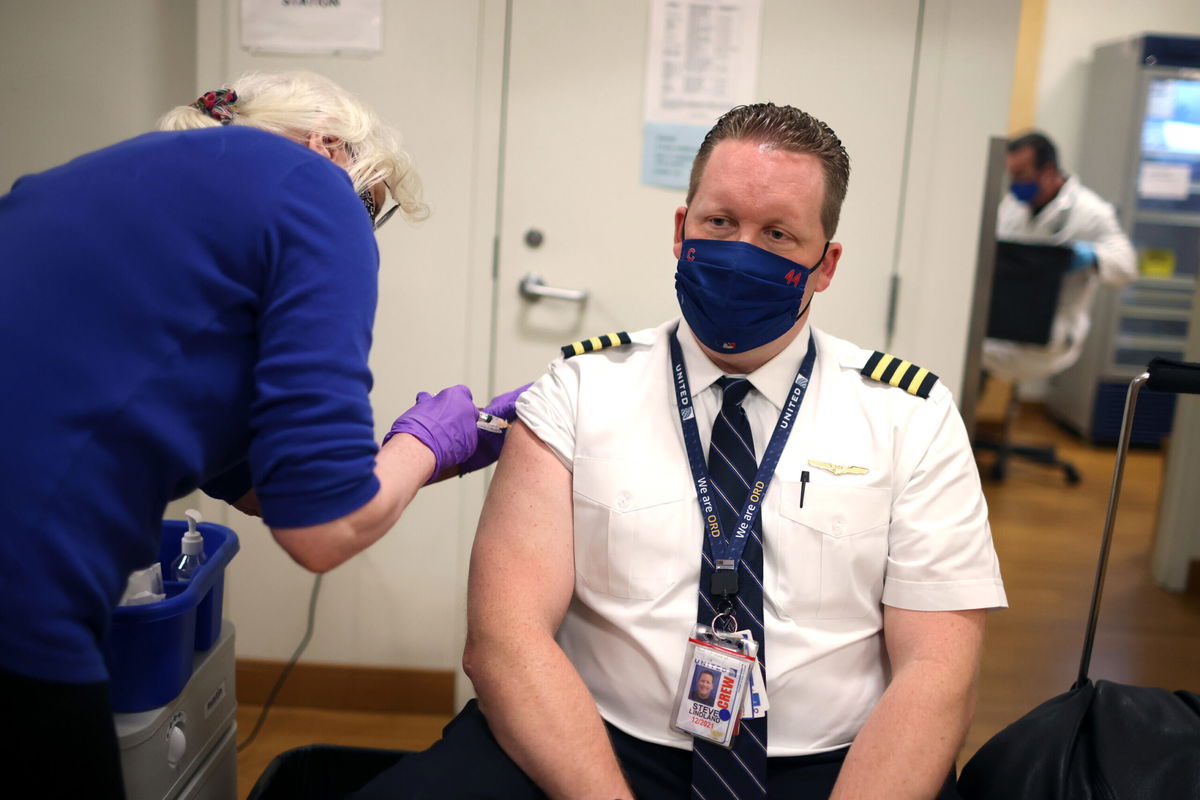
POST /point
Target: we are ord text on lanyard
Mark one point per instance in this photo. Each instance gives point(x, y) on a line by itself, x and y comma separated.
point(727, 549)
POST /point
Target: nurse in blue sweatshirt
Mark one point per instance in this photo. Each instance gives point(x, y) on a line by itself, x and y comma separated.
point(192, 308)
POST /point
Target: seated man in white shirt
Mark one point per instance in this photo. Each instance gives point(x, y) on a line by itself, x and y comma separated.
point(868, 566)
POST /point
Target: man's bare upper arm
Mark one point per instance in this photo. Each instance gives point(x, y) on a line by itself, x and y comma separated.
point(954, 638)
point(522, 563)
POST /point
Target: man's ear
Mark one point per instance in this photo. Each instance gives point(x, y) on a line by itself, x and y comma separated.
point(680, 216)
point(823, 276)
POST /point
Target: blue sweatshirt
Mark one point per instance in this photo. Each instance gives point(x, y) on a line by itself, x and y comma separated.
point(175, 309)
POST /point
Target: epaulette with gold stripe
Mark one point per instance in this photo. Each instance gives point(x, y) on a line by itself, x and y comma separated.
point(897, 372)
point(595, 343)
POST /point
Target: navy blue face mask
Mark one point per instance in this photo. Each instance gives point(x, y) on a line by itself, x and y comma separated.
point(735, 296)
point(1025, 191)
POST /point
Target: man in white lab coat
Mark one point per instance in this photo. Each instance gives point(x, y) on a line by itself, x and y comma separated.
point(1046, 206)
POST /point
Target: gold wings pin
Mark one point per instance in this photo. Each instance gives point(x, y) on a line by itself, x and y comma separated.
point(838, 469)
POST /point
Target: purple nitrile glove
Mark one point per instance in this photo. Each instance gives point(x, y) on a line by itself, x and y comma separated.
point(488, 449)
point(445, 423)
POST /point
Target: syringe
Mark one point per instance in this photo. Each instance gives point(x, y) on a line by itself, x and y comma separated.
point(491, 423)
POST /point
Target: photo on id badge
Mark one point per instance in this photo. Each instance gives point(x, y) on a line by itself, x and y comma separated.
point(704, 686)
point(707, 708)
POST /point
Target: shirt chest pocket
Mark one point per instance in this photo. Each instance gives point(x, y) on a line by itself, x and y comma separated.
point(633, 523)
point(830, 554)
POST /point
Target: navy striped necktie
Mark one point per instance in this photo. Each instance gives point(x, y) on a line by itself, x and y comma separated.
point(740, 772)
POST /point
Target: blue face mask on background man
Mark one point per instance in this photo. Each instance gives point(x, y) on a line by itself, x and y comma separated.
point(1025, 191)
point(735, 296)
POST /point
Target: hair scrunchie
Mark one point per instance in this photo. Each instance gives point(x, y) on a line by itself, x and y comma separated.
point(219, 105)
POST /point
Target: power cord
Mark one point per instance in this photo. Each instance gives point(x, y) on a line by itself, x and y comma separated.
point(262, 715)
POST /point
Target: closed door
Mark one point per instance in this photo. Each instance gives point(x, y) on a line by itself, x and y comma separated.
point(575, 214)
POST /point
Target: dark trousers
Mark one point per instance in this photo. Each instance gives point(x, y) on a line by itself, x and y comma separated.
point(468, 764)
point(57, 740)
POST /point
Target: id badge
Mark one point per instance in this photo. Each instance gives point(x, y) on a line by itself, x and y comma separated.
point(712, 686)
point(756, 694)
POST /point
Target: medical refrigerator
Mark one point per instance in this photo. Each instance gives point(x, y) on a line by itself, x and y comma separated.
point(1141, 152)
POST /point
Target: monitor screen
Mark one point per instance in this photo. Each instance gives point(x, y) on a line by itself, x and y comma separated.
point(1172, 123)
point(1169, 173)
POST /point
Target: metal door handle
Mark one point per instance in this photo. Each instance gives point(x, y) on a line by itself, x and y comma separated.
point(532, 288)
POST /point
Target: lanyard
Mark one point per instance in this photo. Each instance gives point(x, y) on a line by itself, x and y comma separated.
point(727, 549)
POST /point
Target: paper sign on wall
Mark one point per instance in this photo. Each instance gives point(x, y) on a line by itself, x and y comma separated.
point(312, 27)
point(702, 61)
point(1163, 181)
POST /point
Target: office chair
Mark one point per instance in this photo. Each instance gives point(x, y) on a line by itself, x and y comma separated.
point(1024, 301)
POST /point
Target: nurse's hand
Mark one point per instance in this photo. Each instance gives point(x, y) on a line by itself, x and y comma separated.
point(445, 423)
point(488, 449)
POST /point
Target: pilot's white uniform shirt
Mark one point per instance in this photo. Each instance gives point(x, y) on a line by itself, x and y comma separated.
point(912, 532)
point(1076, 214)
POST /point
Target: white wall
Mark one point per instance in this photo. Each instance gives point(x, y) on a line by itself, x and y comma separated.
point(77, 76)
point(1073, 29)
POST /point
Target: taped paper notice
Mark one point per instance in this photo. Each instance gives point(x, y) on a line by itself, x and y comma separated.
point(312, 27)
point(667, 153)
point(1159, 181)
point(702, 61)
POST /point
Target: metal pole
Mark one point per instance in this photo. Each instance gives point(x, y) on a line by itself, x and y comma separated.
point(1135, 386)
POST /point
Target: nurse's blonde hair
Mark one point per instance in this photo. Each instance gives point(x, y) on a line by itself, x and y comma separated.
point(295, 104)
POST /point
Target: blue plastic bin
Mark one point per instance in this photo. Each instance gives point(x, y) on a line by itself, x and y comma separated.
point(149, 649)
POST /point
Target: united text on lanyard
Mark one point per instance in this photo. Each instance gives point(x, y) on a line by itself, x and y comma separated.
point(727, 549)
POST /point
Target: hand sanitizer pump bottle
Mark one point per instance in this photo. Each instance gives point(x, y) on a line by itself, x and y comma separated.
point(192, 550)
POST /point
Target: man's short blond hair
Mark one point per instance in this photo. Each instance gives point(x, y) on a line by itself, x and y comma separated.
point(785, 128)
